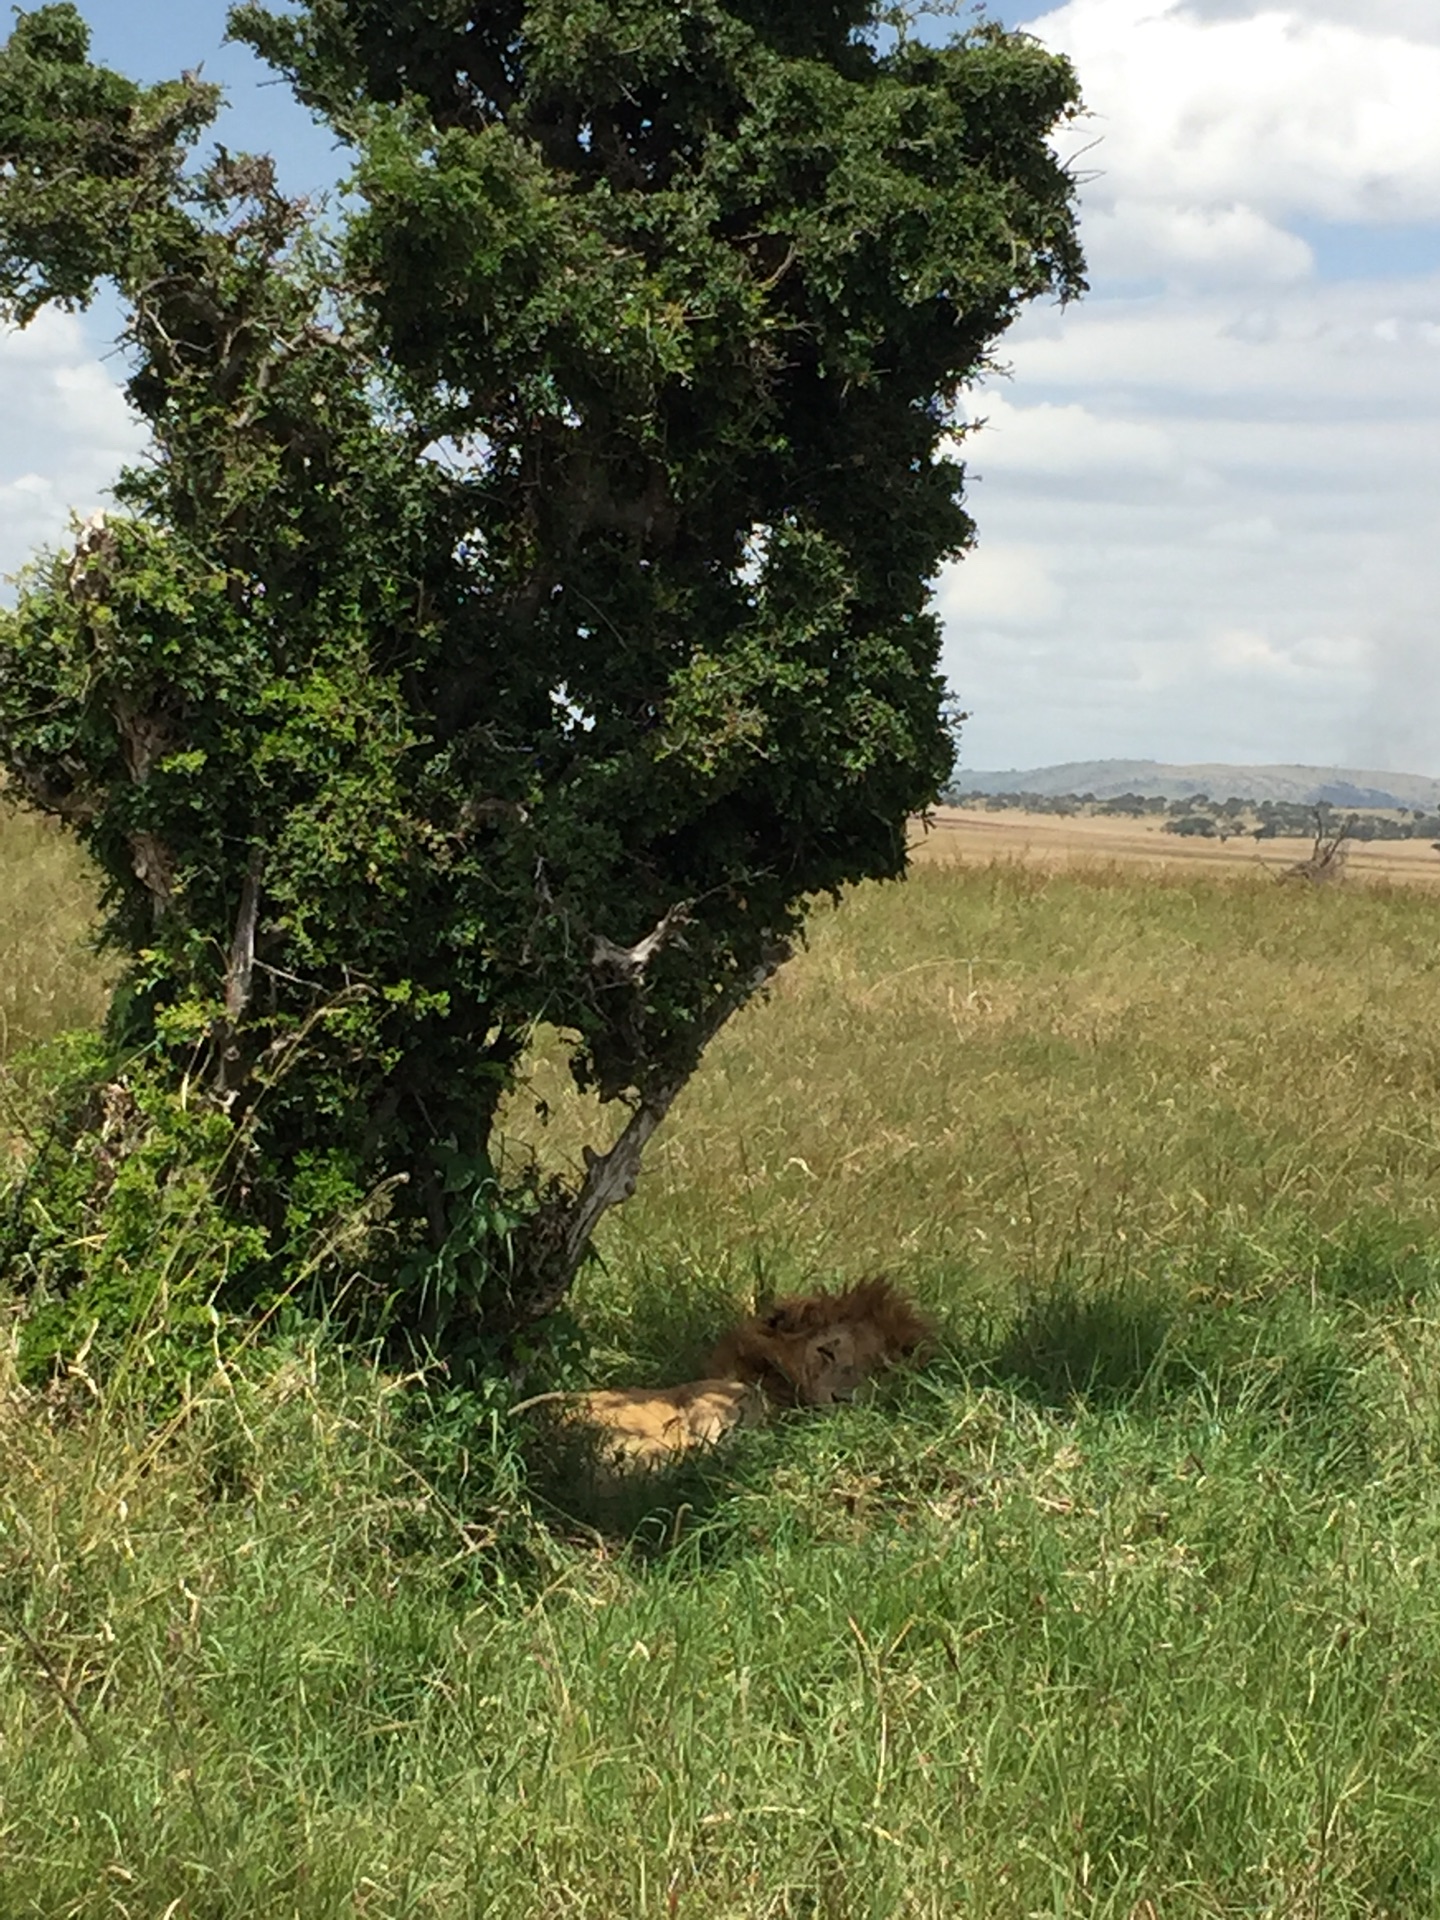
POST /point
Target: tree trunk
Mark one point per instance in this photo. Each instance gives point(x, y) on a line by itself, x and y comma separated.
point(551, 1247)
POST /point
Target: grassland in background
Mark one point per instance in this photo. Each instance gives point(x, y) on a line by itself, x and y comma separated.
point(1064, 840)
point(49, 979)
point(1126, 1607)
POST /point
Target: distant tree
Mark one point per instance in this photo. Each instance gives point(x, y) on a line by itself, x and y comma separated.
point(1127, 805)
point(1192, 826)
point(523, 609)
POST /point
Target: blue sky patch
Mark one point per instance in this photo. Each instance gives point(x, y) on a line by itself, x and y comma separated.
point(1349, 251)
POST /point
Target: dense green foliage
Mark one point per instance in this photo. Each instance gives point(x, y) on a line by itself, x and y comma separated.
point(525, 609)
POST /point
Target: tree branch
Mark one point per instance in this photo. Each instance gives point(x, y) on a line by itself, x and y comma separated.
point(628, 964)
point(241, 969)
point(559, 1235)
point(239, 976)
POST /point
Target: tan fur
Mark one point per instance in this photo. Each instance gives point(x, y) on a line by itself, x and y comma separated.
point(651, 1426)
point(814, 1349)
point(808, 1351)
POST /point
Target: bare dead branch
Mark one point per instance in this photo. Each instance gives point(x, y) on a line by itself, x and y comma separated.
point(628, 964)
point(94, 549)
point(154, 868)
point(1327, 858)
point(239, 973)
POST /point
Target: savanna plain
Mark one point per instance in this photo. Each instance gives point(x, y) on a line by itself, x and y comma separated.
point(1126, 1604)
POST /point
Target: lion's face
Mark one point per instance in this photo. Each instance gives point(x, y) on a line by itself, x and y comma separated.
point(816, 1349)
point(830, 1365)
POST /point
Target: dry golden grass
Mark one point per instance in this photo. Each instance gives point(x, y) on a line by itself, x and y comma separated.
point(967, 836)
point(50, 979)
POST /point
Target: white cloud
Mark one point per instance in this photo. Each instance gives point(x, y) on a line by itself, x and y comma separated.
point(1368, 344)
point(1263, 590)
point(1243, 652)
point(1274, 111)
point(1409, 19)
point(1069, 440)
point(65, 431)
point(1399, 702)
point(1246, 654)
point(1008, 586)
point(1209, 245)
point(1259, 530)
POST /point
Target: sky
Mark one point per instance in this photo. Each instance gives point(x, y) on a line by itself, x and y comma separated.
point(1208, 494)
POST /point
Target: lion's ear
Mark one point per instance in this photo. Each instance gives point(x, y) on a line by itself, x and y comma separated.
point(765, 1362)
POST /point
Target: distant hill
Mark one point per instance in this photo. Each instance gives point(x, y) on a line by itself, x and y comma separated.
point(1302, 786)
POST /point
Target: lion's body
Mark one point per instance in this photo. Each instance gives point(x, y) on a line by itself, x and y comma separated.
point(644, 1426)
point(808, 1351)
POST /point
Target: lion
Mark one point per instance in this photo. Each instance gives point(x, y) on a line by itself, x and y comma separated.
point(813, 1350)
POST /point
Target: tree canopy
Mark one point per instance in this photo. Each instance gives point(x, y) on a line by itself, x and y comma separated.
point(524, 607)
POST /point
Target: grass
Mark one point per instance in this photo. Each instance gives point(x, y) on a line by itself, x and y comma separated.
point(996, 1080)
point(50, 980)
point(48, 976)
point(1126, 1606)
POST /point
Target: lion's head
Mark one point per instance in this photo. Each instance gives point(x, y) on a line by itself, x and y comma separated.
point(815, 1349)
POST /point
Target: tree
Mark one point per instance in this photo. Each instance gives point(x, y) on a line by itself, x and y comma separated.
point(1192, 826)
point(524, 608)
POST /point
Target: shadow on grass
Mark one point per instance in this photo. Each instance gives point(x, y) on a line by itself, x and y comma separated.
point(1377, 1263)
point(1284, 1359)
point(648, 1510)
point(1103, 1346)
point(1277, 1340)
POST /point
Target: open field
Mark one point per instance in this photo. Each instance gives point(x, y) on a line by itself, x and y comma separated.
point(1126, 1608)
point(48, 977)
point(970, 835)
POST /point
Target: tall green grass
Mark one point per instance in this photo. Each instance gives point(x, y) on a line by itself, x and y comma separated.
point(49, 979)
point(1125, 1606)
point(990, 1080)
